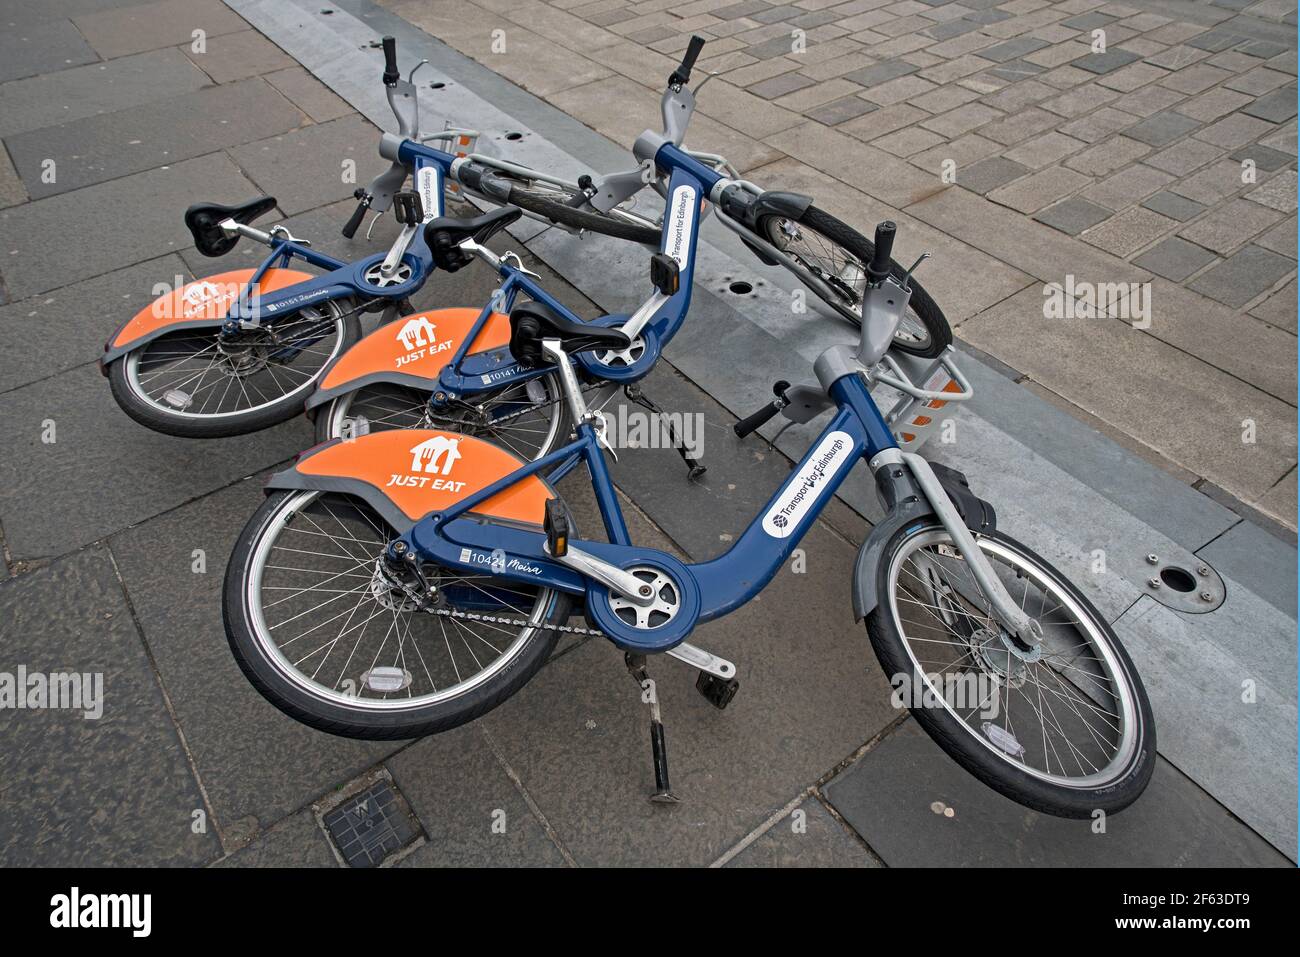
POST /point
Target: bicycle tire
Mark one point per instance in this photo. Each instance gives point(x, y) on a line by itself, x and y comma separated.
point(243, 423)
point(333, 717)
point(932, 319)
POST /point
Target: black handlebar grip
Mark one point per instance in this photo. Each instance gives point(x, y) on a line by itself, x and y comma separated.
point(682, 75)
point(750, 423)
point(391, 74)
point(692, 54)
point(879, 267)
point(759, 418)
point(351, 226)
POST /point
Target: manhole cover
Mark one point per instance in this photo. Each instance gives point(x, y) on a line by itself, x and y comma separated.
point(1187, 586)
point(370, 827)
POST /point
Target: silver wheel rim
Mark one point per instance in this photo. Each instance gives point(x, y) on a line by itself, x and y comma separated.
point(208, 374)
point(365, 633)
point(529, 436)
point(1079, 684)
point(821, 257)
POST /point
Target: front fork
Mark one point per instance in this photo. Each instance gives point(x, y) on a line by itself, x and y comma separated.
point(1026, 631)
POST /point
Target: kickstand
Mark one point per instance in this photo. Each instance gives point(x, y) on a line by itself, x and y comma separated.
point(636, 667)
point(693, 464)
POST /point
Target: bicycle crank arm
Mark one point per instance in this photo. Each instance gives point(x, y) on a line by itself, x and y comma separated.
point(612, 577)
point(703, 660)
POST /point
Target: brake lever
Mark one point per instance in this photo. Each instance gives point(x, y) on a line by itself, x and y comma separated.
point(518, 264)
point(907, 276)
point(280, 230)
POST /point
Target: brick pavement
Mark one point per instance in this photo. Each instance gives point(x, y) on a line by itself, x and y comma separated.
point(1148, 142)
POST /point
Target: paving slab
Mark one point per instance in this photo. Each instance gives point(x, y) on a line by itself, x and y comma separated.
point(809, 836)
point(1232, 727)
point(1263, 562)
point(97, 88)
point(115, 790)
point(237, 56)
point(1056, 354)
point(306, 168)
point(1244, 275)
point(296, 841)
point(472, 812)
point(1279, 309)
point(25, 12)
point(30, 48)
point(309, 94)
point(142, 213)
point(1175, 259)
point(890, 796)
point(1174, 206)
point(133, 140)
point(11, 187)
point(257, 764)
point(67, 327)
point(101, 486)
point(1072, 216)
point(135, 29)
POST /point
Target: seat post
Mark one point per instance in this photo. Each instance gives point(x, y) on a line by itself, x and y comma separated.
point(554, 350)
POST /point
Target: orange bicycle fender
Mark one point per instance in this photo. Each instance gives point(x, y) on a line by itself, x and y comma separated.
point(409, 351)
point(407, 473)
point(203, 302)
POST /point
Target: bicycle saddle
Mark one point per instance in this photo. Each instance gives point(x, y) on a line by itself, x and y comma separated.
point(531, 322)
point(204, 222)
point(445, 234)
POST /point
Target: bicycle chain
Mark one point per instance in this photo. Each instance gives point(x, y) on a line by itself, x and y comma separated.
point(529, 410)
point(516, 622)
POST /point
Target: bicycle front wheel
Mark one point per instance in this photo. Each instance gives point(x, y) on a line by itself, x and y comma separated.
point(834, 253)
point(1064, 728)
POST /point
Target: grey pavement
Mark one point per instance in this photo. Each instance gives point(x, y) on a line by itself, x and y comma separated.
point(115, 539)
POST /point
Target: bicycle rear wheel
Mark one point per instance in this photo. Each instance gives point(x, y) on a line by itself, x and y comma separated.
point(200, 384)
point(836, 254)
point(326, 635)
point(528, 419)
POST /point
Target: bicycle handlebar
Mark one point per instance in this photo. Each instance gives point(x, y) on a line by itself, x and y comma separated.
point(352, 225)
point(878, 268)
point(682, 75)
point(391, 73)
point(753, 422)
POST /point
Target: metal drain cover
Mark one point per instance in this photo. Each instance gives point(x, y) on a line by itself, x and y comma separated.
point(372, 826)
point(1187, 586)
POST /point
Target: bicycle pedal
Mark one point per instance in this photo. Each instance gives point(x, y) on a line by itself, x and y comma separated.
point(408, 208)
point(556, 524)
point(696, 471)
point(716, 691)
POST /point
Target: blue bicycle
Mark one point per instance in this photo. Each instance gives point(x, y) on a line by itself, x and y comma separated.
point(404, 582)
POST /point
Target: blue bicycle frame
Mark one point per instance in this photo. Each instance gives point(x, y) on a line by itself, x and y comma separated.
point(467, 374)
point(710, 589)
